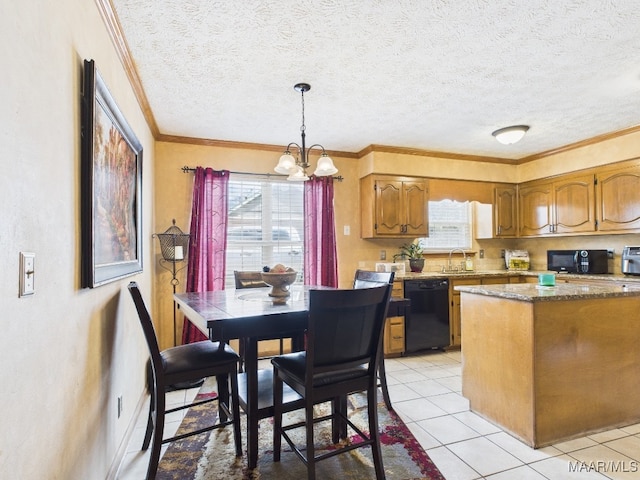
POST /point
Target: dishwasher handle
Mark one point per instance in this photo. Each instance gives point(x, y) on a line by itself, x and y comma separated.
point(428, 285)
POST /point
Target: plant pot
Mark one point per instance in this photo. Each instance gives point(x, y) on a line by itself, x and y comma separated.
point(416, 264)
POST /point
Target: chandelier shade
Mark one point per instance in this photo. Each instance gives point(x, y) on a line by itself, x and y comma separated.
point(296, 166)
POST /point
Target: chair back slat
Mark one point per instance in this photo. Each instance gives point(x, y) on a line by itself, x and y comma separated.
point(345, 327)
point(368, 279)
point(248, 279)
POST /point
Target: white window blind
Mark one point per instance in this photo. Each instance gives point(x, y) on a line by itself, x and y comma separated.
point(449, 226)
point(265, 224)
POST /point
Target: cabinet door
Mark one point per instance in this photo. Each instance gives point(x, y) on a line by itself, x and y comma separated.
point(415, 209)
point(389, 201)
point(505, 212)
point(618, 199)
point(394, 336)
point(574, 205)
point(534, 203)
point(455, 322)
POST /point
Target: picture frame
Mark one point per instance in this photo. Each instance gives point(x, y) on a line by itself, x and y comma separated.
point(111, 187)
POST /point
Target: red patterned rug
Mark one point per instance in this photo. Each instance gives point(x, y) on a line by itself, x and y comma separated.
point(210, 455)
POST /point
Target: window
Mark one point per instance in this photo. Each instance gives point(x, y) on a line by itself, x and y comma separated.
point(265, 224)
point(449, 226)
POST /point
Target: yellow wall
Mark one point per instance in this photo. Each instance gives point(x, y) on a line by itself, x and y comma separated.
point(67, 352)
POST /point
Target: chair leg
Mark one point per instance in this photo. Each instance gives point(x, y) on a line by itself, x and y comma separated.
point(235, 411)
point(277, 415)
point(158, 431)
point(223, 393)
point(374, 432)
point(311, 454)
point(382, 375)
point(241, 350)
point(150, 419)
point(338, 425)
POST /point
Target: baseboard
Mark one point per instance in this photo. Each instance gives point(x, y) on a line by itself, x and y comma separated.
point(118, 458)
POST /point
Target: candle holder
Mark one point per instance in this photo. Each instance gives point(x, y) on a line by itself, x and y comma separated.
point(174, 245)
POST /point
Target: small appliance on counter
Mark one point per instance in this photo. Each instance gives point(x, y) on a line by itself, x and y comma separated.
point(398, 267)
point(578, 261)
point(631, 260)
point(516, 260)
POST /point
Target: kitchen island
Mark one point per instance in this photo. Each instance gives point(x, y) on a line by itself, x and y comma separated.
point(549, 364)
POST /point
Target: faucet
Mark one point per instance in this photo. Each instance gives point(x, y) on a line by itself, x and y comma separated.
point(454, 250)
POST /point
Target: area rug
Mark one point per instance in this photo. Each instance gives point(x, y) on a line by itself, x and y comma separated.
point(210, 456)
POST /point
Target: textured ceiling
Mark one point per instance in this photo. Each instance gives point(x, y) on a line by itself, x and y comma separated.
point(426, 74)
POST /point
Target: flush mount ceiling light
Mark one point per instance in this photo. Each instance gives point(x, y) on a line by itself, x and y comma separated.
point(296, 167)
point(510, 135)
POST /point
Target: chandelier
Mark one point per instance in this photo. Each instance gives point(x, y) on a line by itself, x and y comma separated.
point(296, 167)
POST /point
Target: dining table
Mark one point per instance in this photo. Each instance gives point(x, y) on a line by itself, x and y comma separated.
point(251, 314)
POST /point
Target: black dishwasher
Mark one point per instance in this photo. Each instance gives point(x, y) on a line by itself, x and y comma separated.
point(427, 326)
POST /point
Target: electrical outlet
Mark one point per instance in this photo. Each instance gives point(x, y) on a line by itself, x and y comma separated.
point(481, 253)
point(383, 254)
point(610, 253)
point(120, 405)
point(501, 253)
point(27, 273)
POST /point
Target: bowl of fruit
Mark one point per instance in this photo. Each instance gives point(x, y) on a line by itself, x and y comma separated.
point(280, 279)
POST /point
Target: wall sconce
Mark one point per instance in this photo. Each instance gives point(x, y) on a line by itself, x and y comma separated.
point(510, 135)
point(174, 245)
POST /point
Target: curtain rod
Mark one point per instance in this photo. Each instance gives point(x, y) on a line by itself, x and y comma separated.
point(187, 169)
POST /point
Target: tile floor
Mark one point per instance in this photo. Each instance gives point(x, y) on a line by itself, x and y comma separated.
point(426, 392)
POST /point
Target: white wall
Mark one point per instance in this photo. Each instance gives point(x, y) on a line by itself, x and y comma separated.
point(66, 352)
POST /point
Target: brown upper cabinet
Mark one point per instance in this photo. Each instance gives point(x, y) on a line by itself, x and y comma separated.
point(564, 205)
point(505, 211)
point(618, 199)
point(394, 207)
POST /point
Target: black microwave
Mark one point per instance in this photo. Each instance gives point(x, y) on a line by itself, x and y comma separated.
point(578, 261)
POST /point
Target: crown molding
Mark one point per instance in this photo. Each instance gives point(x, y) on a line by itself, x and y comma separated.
point(243, 145)
point(431, 153)
point(114, 29)
point(580, 144)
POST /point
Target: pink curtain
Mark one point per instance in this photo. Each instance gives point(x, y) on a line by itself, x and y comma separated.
point(320, 257)
point(208, 241)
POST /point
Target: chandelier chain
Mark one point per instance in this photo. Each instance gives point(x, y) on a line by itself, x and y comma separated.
point(303, 127)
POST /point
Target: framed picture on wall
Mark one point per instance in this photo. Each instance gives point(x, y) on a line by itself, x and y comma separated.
point(111, 184)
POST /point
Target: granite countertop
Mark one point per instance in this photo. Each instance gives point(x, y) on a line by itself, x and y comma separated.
point(531, 292)
point(459, 274)
point(516, 273)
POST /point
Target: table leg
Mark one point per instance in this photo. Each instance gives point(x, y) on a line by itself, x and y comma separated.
point(251, 369)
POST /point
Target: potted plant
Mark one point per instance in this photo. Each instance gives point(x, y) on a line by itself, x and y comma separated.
point(412, 251)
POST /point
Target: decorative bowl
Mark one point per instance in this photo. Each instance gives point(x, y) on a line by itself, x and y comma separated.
point(280, 283)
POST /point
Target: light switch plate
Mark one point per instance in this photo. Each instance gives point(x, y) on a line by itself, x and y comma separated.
point(27, 273)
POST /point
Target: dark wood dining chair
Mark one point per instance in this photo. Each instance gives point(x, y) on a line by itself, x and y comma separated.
point(250, 279)
point(186, 363)
point(368, 279)
point(341, 358)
